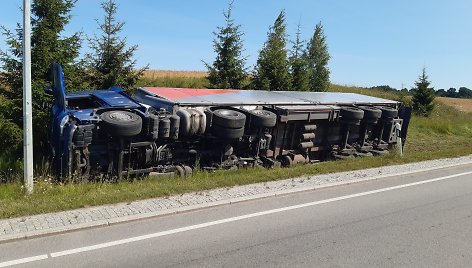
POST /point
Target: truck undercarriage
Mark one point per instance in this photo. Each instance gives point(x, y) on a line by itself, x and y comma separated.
point(106, 133)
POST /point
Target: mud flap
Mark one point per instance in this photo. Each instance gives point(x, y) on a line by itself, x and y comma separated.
point(404, 112)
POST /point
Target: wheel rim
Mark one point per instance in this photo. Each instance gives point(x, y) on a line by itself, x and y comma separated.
point(229, 113)
point(118, 116)
point(259, 112)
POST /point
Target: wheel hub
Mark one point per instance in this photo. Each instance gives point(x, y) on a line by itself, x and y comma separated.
point(120, 116)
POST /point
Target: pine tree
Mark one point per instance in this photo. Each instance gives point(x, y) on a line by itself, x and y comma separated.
point(49, 17)
point(318, 57)
point(227, 71)
point(112, 63)
point(298, 64)
point(10, 133)
point(272, 67)
point(423, 96)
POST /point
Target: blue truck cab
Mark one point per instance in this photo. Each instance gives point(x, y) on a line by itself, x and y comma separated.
point(90, 130)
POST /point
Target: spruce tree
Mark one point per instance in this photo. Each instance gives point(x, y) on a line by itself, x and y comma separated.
point(272, 67)
point(298, 64)
point(227, 71)
point(49, 17)
point(318, 57)
point(423, 96)
point(111, 63)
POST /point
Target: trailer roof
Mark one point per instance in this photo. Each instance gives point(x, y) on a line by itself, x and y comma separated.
point(233, 97)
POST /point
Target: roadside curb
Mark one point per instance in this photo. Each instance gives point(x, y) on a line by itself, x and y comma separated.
point(152, 214)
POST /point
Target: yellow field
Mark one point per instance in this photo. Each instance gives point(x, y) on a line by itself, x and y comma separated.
point(174, 74)
point(460, 104)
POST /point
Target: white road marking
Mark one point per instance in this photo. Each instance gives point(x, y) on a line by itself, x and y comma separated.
point(227, 220)
point(24, 260)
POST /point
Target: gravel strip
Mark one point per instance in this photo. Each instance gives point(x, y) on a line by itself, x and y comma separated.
point(24, 227)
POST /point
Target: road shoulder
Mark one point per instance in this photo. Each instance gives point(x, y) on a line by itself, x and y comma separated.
point(51, 223)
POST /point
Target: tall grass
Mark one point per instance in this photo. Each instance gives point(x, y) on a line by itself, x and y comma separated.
point(379, 93)
point(11, 168)
point(185, 79)
point(464, 105)
point(445, 121)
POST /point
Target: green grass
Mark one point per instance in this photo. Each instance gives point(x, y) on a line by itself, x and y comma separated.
point(444, 121)
point(445, 134)
point(10, 168)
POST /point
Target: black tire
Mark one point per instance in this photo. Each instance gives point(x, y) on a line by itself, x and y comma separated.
point(351, 113)
point(371, 112)
point(262, 118)
point(188, 171)
point(121, 123)
point(179, 171)
point(209, 118)
point(388, 112)
point(353, 122)
point(228, 118)
point(227, 133)
point(286, 161)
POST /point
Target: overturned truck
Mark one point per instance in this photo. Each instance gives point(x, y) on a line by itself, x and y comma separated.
point(174, 130)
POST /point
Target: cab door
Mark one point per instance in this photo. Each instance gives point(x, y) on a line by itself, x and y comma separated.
point(58, 89)
point(59, 117)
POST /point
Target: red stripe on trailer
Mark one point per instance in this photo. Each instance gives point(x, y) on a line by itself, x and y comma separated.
point(180, 93)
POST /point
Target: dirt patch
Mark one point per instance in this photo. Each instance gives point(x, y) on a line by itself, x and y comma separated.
point(460, 104)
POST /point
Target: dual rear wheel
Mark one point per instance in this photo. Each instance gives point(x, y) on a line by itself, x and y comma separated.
point(228, 124)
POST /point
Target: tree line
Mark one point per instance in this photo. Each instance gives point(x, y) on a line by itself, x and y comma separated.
point(463, 93)
point(303, 67)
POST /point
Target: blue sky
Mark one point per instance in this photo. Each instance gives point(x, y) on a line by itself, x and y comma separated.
point(371, 42)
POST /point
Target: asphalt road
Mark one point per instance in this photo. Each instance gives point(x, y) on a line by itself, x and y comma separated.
point(418, 220)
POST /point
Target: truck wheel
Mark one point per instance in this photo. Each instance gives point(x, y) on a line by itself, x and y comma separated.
point(229, 118)
point(371, 114)
point(388, 112)
point(263, 118)
point(286, 161)
point(121, 123)
point(351, 113)
point(227, 133)
point(188, 171)
point(179, 171)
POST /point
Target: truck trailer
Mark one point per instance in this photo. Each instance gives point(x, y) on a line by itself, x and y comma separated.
point(166, 131)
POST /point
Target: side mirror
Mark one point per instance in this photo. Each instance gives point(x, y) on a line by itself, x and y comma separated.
point(48, 91)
